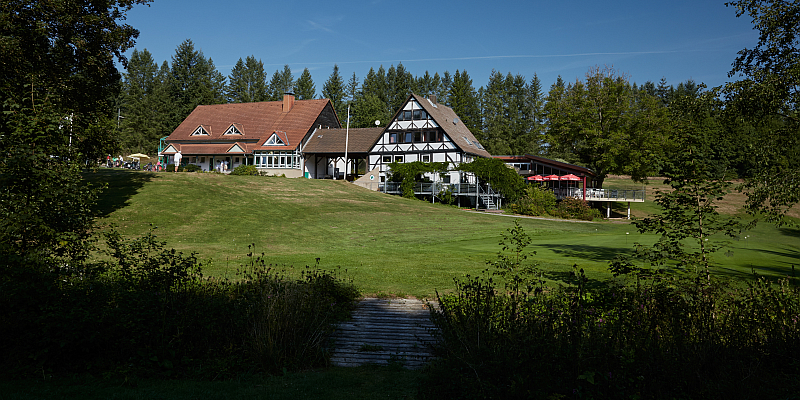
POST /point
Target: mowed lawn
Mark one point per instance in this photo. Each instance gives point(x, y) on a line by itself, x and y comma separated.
point(387, 244)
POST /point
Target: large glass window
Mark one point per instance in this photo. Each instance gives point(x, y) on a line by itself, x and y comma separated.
point(393, 137)
point(407, 138)
point(277, 159)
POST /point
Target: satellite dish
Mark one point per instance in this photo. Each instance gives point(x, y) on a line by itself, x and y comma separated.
point(377, 122)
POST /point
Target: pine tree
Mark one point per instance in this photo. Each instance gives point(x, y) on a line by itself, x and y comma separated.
point(352, 88)
point(443, 92)
point(194, 81)
point(282, 82)
point(464, 102)
point(334, 90)
point(247, 82)
point(535, 100)
point(304, 88)
point(137, 111)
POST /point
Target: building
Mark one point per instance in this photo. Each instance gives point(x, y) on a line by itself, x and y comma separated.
point(423, 130)
point(269, 135)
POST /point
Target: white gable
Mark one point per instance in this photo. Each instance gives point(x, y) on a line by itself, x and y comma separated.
point(170, 149)
point(200, 131)
point(275, 140)
point(236, 149)
point(232, 130)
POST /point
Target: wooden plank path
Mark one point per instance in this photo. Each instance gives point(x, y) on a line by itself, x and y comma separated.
point(383, 331)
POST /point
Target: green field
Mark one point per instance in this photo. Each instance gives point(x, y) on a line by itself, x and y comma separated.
point(386, 243)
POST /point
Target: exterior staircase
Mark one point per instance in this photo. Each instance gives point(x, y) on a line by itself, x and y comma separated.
point(384, 331)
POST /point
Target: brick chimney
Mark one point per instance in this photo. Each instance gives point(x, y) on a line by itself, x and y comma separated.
point(288, 101)
point(432, 98)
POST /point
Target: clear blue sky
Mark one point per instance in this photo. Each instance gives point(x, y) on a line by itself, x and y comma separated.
point(677, 40)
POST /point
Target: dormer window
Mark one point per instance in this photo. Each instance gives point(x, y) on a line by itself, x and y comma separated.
point(200, 131)
point(274, 140)
point(232, 131)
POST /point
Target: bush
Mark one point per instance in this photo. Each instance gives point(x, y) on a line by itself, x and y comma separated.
point(170, 168)
point(536, 201)
point(150, 311)
point(574, 208)
point(658, 338)
point(190, 168)
point(245, 170)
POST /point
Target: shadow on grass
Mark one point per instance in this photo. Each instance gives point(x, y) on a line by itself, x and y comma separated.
point(122, 185)
point(585, 252)
point(793, 232)
point(568, 278)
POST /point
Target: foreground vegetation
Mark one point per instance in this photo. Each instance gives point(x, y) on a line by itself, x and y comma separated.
point(148, 311)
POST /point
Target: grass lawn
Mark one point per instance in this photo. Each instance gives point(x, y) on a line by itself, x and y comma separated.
point(386, 243)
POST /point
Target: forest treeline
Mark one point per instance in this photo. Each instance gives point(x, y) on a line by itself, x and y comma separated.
point(605, 121)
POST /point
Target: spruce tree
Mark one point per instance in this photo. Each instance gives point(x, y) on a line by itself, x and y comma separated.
point(304, 88)
point(352, 88)
point(135, 117)
point(247, 82)
point(334, 90)
point(464, 102)
point(194, 81)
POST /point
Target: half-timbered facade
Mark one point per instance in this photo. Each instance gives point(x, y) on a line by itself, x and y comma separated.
point(423, 130)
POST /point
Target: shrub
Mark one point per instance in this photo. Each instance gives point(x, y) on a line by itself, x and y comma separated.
point(659, 339)
point(574, 208)
point(535, 200)
point(190, 168)
point(245, 170)
point(170, 168)
point(148, 310)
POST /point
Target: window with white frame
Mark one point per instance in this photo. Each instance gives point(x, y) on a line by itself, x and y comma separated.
point(200, 131)
point(274, 140)
point(277, 159)
point(232, 130)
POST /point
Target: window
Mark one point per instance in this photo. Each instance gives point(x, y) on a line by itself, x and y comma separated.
point(418, 137)
point(277, 159)
point(232, 131)
point(407, 137)
point(200, 131)
point(407, 115)
point(386, 159)
point(426, 158)
point(418, 114)
point(398, 159)
point(202, 159)
point(393, 137)
point(423, 115)
point(236, 160)
point(274, 140)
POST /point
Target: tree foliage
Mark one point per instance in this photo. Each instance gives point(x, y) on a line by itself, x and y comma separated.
point(606, 126)
point(494, 171)
point(411, 173)
point(247, 82)
point(334, 90)
point(768, 99)
point(58, 88)
point(690, 226)
point(304, 87)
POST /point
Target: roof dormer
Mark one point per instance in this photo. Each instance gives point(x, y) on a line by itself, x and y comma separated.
point(275, 140)
point(200, 131)
point(233, 130)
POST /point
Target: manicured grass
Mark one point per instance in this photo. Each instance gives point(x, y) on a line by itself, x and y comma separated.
point(332, 383)
point(386, 243)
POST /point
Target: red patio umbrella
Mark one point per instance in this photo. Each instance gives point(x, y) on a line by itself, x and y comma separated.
point(569, 177)
point(550, 178)
point(535, 178)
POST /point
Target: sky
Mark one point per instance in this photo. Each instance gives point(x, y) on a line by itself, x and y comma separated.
point(645, 40)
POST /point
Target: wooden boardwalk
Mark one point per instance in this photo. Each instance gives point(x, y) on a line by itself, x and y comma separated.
point(383, 331)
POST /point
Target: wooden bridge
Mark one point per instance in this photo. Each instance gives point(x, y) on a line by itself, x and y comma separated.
point(384, 331)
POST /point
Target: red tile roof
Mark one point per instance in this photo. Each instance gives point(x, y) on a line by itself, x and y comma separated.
point(256, 121)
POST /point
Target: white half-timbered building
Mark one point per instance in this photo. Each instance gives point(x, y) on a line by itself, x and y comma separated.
point(423, 130)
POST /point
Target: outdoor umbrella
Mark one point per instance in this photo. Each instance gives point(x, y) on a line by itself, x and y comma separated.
point(138, 156)
point(536, 178)
point(550, 178)
point(569, 177)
